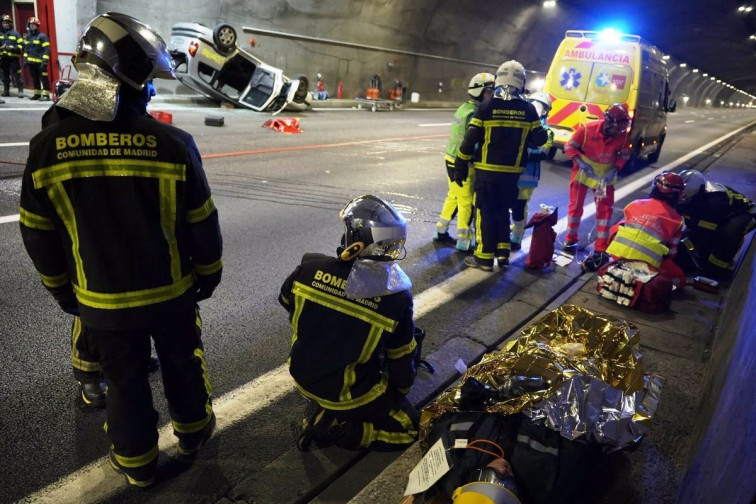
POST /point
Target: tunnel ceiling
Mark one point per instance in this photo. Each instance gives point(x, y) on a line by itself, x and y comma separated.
point(705, 34)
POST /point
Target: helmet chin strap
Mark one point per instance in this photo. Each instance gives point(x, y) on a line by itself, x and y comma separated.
point(352, 251)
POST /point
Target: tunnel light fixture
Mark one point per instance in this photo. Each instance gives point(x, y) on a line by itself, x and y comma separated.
point(549, 4)
point(695, 70)
point(745, 9)
point(712, 78)
point(752, 37)
point(683, 65)
point(665, 57)
point(704, 74)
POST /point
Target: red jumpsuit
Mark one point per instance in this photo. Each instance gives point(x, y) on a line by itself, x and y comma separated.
point(604, 155)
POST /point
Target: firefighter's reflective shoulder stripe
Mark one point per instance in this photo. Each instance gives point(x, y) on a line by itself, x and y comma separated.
point(57, 173)
point(344, 306)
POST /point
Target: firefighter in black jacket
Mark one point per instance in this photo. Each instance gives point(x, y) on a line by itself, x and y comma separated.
point(11, 47)
point(37, 58)
point(353, 347)
point(717, 218)
point(117, 216)
point(502, 129)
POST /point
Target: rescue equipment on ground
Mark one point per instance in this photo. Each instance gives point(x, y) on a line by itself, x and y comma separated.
point(214, 120)
point(595, 387)
point(542, 241)
point(165, 117)
point(705, 284)
point(636, 284)
point(283, 125)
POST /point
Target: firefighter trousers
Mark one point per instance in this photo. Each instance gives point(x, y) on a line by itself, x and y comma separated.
point(11, 70)
point(718, 255)
point(603, 213)
point(131, 418)
point(388, 423)
point(38, 72)
point(86, 369)
point(495, 196)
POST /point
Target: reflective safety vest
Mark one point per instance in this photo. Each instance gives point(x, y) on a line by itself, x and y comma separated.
point(346, 353)
point(462, 118)
point(504, 129)
point(36, 48)
point(11, 44)
point(600, 152)
point(532, 173)
point(651, 231)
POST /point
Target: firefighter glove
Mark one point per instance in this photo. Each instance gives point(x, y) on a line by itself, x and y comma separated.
point(460, 171)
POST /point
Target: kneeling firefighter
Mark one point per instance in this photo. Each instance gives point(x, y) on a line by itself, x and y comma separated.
point(353, 348)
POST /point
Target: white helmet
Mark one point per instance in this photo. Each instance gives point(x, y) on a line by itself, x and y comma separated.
point(511, 73)
point(479, 82)
point(695, 181)
point(544, 99)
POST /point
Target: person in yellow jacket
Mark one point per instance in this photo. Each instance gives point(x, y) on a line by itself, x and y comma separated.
point(459, 199)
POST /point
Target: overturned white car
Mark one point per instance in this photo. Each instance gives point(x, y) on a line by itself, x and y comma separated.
point(209, 61)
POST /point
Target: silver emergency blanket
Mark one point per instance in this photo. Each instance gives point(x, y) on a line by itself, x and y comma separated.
point(586, 407)
point(369, 278)
point(94, 94)
point(594, 386)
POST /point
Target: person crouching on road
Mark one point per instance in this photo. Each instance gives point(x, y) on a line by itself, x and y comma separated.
point(598, 150)
point(532, 175)
point(502, 129)
point(652, 228)
point(353, 347)
point(717, 218)
point(128, 239)
point(459, 199)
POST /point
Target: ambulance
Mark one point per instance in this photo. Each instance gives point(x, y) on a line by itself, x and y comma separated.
point(592, 70)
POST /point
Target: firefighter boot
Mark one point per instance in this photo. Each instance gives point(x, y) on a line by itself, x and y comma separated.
point(140, 477)
point(464, 239)
point(93, 393)
point(6, 89)
point(20, 92)
point(35, 96)
point(189, 444)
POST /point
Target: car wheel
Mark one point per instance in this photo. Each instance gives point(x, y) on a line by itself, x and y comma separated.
point(634, 163)
point(653, 158)
point(224, 36)
point(302, 90)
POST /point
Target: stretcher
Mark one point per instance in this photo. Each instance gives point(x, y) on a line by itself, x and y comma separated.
point(376, 104)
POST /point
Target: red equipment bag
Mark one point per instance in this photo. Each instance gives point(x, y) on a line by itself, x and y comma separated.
point(636, 284)
point(542, 241)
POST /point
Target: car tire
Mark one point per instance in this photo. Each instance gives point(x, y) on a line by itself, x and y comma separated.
point(224, 37)
point(653, 158)
point(303, 90)
point(634, 162)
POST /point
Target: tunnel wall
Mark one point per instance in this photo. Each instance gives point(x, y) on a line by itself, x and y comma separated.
point(482, 34)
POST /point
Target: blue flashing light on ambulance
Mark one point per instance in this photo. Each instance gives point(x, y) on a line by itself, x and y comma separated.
point(591, 70)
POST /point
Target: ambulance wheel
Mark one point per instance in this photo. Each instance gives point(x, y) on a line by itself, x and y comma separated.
point(552, 152)
point(653, 158)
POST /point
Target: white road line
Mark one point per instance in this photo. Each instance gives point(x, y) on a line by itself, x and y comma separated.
point(96, 480)
point(21, 109)
point(14, 144)
point(690, 121)
point(9, 218)
point(434, 125)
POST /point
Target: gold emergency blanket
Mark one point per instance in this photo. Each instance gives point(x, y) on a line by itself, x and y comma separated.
point(588, 375)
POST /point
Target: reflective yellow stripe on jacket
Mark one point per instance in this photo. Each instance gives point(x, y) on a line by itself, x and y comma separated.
point(379, 323)
point(636, 244)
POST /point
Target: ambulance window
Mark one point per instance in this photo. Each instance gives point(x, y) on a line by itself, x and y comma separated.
point(609, 84)
point(570, 80)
